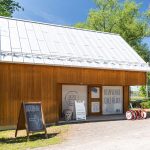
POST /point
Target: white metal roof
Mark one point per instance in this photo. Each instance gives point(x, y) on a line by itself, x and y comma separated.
point(39, 43)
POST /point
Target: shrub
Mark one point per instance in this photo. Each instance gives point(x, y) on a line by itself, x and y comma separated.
point(145, 104)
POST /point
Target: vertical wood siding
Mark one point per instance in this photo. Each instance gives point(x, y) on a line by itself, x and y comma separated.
point(20, 82)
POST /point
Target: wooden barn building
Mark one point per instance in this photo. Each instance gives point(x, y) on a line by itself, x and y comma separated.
point(58, 65)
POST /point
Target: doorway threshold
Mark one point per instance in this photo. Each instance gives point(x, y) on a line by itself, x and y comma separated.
point(95, 119)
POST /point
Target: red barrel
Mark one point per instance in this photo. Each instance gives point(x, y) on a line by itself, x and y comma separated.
point(143, 114)
point(136, 114)
point(130, 115)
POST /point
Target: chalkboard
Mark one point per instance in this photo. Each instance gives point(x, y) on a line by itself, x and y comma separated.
point(34, 117)
point(31, 118)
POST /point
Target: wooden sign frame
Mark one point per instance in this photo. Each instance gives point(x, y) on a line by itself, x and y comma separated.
point(23, 122)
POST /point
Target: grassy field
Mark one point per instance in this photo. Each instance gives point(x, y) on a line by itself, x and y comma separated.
point(56, 135)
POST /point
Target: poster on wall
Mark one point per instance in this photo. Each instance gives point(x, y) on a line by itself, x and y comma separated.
point(80, 110)
point(72, 93)
point(95, 107)
point(95, 92)
point(112, 100)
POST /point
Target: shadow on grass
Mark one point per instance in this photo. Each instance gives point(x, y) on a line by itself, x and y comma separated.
point(24, 139)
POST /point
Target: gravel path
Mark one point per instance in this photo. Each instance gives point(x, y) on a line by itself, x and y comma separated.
point(110, 135)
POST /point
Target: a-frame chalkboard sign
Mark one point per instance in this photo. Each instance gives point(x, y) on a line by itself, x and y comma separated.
point(31, 118)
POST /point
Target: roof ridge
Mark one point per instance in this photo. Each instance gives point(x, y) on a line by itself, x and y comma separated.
point(56, 25)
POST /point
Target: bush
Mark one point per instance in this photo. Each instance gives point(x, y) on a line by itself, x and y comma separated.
point(145, 104)
point(142, 103)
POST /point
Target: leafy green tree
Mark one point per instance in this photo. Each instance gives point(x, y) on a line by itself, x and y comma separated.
point(142, 91)
point(124, 18)
point(8, 7)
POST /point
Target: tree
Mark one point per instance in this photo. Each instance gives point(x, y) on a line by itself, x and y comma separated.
point(124, 18)
point(8, 7)
point(142, 91)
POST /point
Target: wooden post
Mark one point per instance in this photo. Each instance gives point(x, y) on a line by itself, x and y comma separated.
point(126, 97)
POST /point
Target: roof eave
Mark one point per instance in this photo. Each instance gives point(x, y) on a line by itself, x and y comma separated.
point(74, 66)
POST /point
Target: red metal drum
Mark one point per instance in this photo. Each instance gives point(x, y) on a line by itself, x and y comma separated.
point(138, 114)
point(143, 114)
point(135, 114)
point(130, 115)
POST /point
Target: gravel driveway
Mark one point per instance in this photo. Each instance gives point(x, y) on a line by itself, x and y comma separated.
point(110, 135)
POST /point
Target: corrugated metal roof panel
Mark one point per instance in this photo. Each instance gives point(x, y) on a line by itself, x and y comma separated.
point(31, 42)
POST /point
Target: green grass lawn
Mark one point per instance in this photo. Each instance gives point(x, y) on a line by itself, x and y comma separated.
point(8, 141)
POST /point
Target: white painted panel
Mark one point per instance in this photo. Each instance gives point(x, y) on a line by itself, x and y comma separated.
point(43, 47)
point(112, 100)
point(28, 59)
point(16, 50)
point(48, 61)
point(5, 43)
point(32, 40)
point(38, 60)
point(6, 58)
point(77, 44)
point(70, 93)
point(29, 26)
point(25, 46)
point(21, 29)
point(17, 59)
point(38, 32)
point(4, 29)
point(12, 23)
point(14, 38)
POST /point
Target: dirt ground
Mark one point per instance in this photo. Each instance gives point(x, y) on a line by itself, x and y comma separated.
point(109, 135)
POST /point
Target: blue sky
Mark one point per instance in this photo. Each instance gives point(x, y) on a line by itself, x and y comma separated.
point(64, 12)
